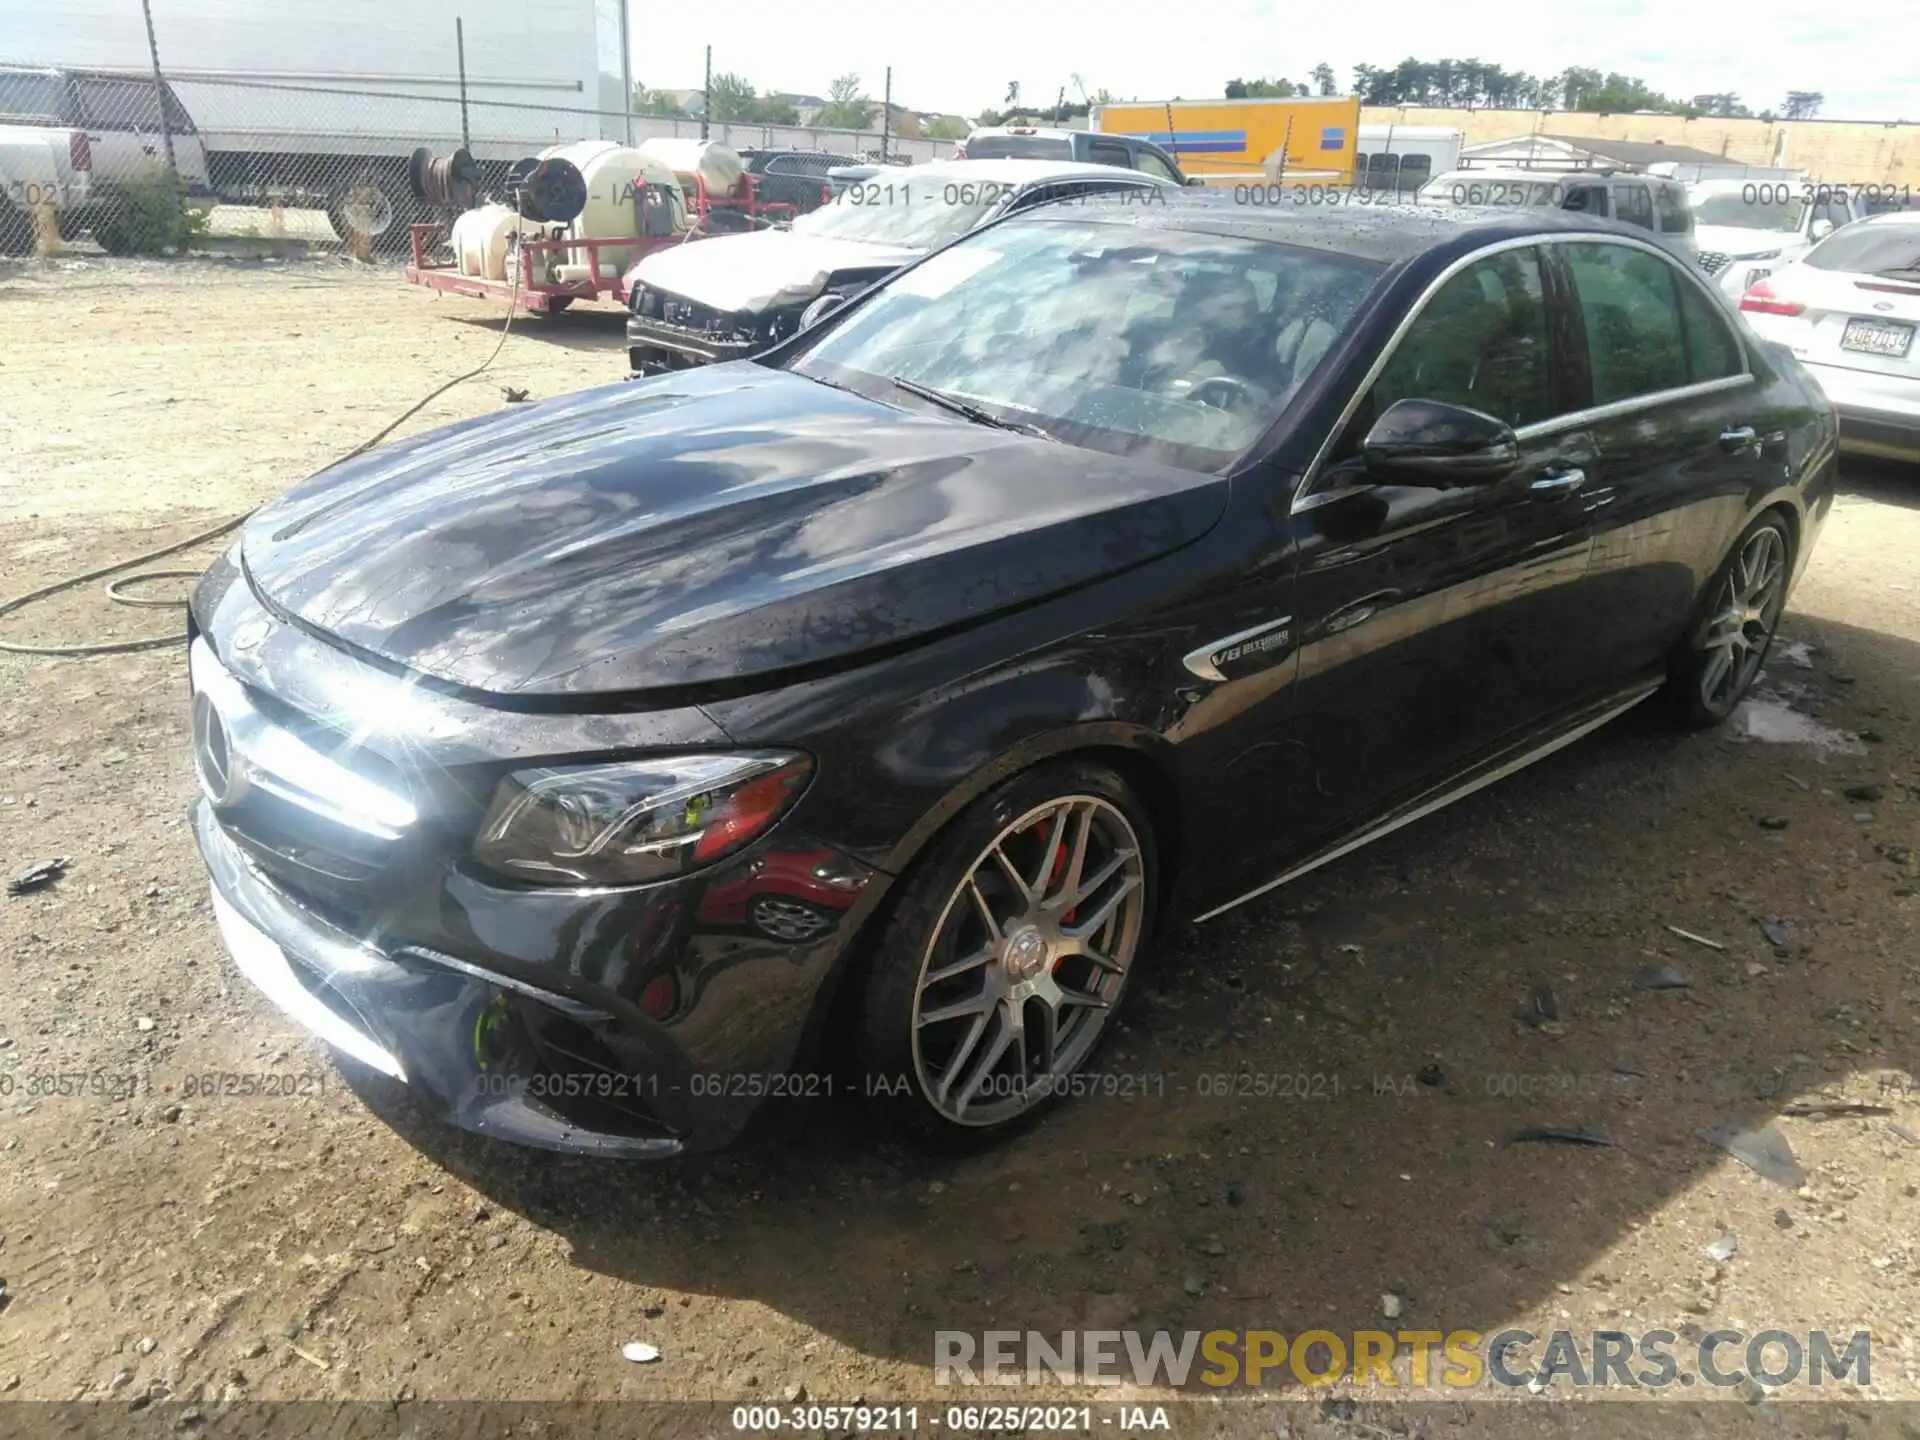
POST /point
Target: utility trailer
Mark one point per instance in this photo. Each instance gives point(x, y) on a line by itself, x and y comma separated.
point(543, 289)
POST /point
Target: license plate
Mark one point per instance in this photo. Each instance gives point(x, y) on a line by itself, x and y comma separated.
point(1877, 337)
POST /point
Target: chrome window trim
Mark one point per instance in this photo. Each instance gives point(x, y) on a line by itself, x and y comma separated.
point(1306, 496)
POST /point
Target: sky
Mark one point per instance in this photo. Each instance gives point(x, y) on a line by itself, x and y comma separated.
point(1864, 55)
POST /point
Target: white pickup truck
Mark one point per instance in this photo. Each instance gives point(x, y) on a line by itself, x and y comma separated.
point(41, 167)
point(69, 139)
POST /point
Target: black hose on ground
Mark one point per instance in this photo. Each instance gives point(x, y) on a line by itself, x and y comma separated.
point(114, 588)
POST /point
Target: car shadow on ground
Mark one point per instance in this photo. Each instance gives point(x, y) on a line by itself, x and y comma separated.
point(581, 327)
point(1888, 481)
point(1317, 1097)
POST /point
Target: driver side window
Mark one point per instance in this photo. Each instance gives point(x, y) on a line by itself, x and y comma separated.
point(1480, 342)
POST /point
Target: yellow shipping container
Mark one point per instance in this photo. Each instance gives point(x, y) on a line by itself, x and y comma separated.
point(1246, 141)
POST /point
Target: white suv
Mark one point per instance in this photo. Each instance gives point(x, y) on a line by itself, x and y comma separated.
point(1747, 229)
point(1652, 202)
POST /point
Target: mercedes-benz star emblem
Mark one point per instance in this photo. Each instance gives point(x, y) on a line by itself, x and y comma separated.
point(221, 775)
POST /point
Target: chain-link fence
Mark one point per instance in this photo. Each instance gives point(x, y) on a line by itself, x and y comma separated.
point(140, 166)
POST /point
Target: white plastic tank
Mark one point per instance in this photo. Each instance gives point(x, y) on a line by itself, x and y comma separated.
point(480, 239)
point(719, 166)
point(615, 174)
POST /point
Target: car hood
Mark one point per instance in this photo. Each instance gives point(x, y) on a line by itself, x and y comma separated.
point(1737, 241)
point(703, 528)
point(760, 270)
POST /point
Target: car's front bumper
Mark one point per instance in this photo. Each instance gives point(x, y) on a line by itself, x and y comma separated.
point(626, 1022)
point(1879, 414)
point(655, 345)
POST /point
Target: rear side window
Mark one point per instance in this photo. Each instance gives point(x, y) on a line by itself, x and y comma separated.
point(1152, 164)
point(1481, 342)
point(1630, 308)
point(1713, 351)
point(1874, 248)
point(1633, 204)
point(1110, 152)
point(33, 97)
point(1675, 218)
point(113, 103)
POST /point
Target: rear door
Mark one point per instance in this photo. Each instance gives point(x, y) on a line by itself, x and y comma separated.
point(1433, 622)
point(1683, 434)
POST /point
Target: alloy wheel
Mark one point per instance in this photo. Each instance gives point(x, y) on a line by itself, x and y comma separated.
point(1028, 960)
point(1744, 614)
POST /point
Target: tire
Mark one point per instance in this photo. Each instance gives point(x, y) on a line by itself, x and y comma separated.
point(16, 229)
point(973, 1073)
point(1727, 644)
point(369, 211)
point(556, 305)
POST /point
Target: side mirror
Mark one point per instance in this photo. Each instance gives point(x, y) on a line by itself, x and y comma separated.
point(821, 307)
point(1194, 182)
point(1428, 442)
point(1820, 228)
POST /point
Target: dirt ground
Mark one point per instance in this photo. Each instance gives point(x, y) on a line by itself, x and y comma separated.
point(334, 1244)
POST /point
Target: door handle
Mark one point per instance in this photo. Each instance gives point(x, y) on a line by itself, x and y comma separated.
point(1559, 485)
point(1737, 439)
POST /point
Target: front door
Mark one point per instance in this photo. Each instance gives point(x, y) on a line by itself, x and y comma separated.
point(1434, 621)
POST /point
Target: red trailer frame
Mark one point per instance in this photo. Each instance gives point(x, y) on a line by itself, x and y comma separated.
point(541, 297)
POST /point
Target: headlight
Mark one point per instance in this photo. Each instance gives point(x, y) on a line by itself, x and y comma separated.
point(638, 820)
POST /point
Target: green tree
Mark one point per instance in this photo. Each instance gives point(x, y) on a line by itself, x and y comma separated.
point(846, 107)
point(1323, 78)
point(944, 127)
point(1258, 89)
point(656, 102)
point(775, 110)
point(1802, 104)
point(730, 97)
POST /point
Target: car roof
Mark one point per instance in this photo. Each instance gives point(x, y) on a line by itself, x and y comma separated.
point(1383, 234)
point(1050, 131)
point(1546, 177)
point(1024, 172)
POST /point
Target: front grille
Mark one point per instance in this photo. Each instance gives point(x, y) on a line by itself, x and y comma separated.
point(1713, 261)
point(323, 819)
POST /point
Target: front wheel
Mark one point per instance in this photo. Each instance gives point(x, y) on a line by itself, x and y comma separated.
point(1724, 651)
point(1009, 953)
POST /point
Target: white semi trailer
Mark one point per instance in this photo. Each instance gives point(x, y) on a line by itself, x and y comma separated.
point(323, 101)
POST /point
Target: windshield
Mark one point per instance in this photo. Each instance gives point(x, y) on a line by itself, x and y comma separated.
point(1172, 346)
point(1869, 248)
point(1020, 147)
point(916, 212)
point(1736, 212)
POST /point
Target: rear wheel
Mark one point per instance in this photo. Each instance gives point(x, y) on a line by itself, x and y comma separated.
point(1728, 644)
point(1012, 948)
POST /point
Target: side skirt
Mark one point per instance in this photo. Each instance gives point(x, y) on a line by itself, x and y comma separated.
point(1487, 772)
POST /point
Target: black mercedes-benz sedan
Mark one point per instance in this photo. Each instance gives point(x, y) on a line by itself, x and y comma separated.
point(852, 716)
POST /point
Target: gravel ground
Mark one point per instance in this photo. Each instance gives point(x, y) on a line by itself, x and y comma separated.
point(332, 1243)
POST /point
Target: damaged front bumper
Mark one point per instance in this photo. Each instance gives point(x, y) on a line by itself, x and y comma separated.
point(438, 1024)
